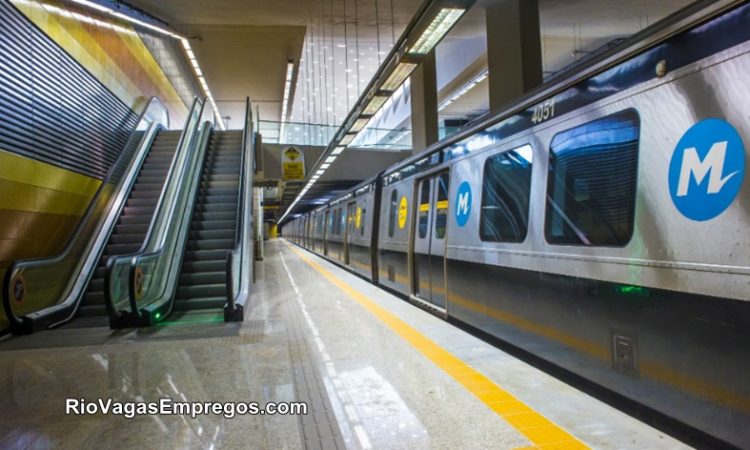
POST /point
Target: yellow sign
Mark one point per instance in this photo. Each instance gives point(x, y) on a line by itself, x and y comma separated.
point(358, 218)
point(292, 164)
point(403, 210)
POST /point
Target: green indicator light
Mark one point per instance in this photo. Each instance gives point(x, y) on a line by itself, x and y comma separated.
point(632, 290)
point(158, 316)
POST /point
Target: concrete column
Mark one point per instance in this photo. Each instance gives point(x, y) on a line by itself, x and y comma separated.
point(514, 49)
point(424, 107)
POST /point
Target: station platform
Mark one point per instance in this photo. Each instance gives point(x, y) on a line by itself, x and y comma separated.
point(375, 371)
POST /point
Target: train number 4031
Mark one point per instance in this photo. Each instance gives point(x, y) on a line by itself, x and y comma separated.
point(543, 111)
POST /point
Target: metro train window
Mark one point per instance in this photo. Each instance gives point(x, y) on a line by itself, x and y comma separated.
point(505, 196)
point(424, 206)
point(441, 207)
point(362, 221)
point(392, 213)
point(331, 216)
point(592, 179)
point(342, 219)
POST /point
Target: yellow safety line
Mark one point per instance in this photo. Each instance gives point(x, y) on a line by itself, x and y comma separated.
point(542, 432)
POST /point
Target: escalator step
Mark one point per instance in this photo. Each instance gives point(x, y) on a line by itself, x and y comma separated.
point(214, 265)
point(219, 199)
point(135, 219)
point(140, 228)
point(93, 298)
point(206, 255)
point(196, 278)
point(97, 284)
point(188, 304)
point(215, 215)
point(126, 238)
point(92, 310)
point(202, 291)
point(210, 244)
point(121, 249)
point(212, 231)
point(147, 201)
point(216, 207)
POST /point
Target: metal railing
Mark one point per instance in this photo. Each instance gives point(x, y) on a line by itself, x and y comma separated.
point(240, 260)
point(46, 292)
point(142, 283)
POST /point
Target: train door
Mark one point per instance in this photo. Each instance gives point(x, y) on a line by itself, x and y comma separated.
point(349, 233)
point(326, 222)
point(429, 239)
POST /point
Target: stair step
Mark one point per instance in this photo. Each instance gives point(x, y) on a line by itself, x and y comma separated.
point(126, 238)
point(216, 207)
point(143, 201)
point(93, 298)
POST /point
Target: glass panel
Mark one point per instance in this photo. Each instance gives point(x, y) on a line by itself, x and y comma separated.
point(505, 196)
point(362, 222)
point(441, 206)
point(592, 182)
point(424, 207)
point(392, 213)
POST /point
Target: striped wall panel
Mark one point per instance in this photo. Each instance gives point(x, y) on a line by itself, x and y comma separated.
point(69, 89)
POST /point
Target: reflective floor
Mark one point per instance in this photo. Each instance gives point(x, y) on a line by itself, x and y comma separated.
point(315, 334)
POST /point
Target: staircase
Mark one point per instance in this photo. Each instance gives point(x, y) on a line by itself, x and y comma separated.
point(203, 277)
point(135, 217)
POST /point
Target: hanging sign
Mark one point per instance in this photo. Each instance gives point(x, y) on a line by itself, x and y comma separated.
point(292, 164)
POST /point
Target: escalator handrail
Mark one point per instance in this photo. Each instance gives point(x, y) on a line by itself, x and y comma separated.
point(174, 175)
point(236, 299)
point(154, 115)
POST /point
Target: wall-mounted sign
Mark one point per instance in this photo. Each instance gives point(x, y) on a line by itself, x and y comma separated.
point(292, 164)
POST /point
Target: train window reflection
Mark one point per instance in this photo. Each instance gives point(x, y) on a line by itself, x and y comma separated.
point(362, 221)
point(505, 196)
point(441, 206)
point(392, 213)
point(592, 182)
point(424, 207)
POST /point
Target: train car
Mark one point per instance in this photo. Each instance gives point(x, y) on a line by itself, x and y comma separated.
point(602, 222)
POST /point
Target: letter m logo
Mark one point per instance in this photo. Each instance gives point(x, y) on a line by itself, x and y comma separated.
point(463, 203)
point(712, 165)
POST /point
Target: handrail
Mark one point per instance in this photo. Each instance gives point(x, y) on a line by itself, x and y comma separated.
point(240, 260)
point(130, 278)
point(63, 278)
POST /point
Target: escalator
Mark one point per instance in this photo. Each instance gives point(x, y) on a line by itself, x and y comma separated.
point(203, 277)
point(134, 220)
point(196, 263)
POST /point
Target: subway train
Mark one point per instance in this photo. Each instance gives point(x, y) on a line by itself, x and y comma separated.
point(600, 223)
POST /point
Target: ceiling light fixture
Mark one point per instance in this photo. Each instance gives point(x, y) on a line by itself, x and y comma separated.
point(330, 159)
point(439, 27)
point(338, 150)
point(399, 75)
point(359, 124)
point(374, 105)
point(347, 139)
point(287, 94)
point(464, 89)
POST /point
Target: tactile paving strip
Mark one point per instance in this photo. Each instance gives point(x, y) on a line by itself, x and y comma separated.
point(319, 428)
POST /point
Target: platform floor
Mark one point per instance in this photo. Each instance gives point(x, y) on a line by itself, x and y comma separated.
point(376, 372)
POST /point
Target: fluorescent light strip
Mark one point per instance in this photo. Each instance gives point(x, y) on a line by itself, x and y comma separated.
point(287, 93)
point(374, 105)
point(358, 125)
point(347, 139)
point(464, 89)
point(330, 159)
point(399, 75)
point(185, 45)
point(439, 26)
point(338, 150)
